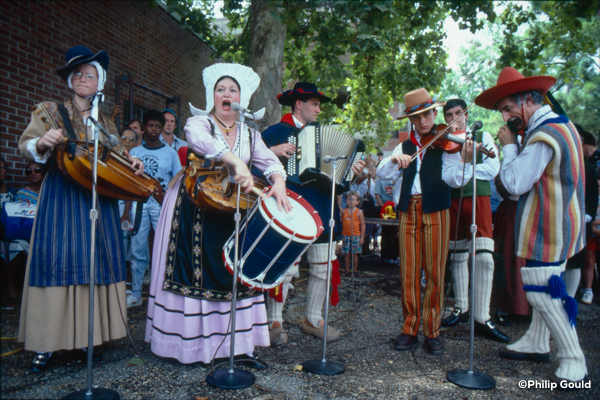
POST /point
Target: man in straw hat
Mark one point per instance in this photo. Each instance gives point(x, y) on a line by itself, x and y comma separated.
point(547, 172)
point(422, 195)
point(305, 100)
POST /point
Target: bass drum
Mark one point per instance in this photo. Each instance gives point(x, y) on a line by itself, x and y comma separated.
point(272, 240)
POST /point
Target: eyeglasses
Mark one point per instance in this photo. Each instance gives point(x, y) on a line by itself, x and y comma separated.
point(125, 138)
point(88, 77)
point(37, 170)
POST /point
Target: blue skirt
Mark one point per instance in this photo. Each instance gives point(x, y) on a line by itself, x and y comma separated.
point(60, 252)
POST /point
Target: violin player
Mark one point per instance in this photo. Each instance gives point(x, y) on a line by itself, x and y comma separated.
point(487, 168)
point(422, 195)
point(547, 172)
point(54, 311)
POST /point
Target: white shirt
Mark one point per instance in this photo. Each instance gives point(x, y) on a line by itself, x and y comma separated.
point(521, 171)
point(452, 171)
point(177, 143)
point(297, 123)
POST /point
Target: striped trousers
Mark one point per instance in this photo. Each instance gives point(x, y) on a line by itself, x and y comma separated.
point(423, 242)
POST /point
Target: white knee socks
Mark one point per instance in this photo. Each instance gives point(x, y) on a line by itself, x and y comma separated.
point(275, 308)
point(571, 278)
point(572, 361)
point(460, 273)
point(484, 274)
point(317, 283)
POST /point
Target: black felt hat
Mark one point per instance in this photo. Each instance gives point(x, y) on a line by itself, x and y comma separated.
point(301, 91)
point(80, 55)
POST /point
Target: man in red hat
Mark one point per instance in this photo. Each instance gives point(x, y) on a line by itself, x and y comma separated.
point(546, 171)
point(305, 101)
point(422, 195)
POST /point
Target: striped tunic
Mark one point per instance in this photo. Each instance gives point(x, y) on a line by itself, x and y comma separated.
point(550, 217)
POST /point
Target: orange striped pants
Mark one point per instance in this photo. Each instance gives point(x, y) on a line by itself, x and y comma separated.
point(423, 242)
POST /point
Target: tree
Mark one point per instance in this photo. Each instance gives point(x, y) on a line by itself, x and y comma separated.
point(374, 51)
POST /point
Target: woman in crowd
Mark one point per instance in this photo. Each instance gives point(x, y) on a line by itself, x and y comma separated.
point(54, 312)
point(190, 294)
point(129, 138)
point(36, 173)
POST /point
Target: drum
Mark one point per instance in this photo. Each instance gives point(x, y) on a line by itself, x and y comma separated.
point(272, 240)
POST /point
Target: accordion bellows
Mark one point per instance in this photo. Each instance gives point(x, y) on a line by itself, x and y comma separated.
point(306, 166)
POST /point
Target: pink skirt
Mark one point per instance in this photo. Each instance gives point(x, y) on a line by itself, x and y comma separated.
point(193, 330)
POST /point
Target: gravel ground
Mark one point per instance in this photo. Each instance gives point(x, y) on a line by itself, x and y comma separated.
point(369, 317)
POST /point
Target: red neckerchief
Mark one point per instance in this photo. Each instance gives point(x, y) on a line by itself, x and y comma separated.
point(414, 140)
point(288, 119)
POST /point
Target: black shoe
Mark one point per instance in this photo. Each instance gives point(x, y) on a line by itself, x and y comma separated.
point(503, 319)
point(81, 355)
point(455, 317)
point(517, 355)
point(434, 346)
point(252, 361)
point(489, 329)
point(406, 342)
point(39, 363)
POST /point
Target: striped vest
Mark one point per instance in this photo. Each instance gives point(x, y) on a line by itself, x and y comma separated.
point(550, 217)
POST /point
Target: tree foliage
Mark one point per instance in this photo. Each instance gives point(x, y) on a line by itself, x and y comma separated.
point(372, 52)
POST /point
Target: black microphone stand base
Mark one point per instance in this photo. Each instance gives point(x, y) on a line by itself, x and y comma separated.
point(471, 379)
point(224, 379)
point(323, 367)
point(97, 394)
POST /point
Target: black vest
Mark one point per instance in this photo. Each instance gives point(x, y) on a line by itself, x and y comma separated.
point(436, 193)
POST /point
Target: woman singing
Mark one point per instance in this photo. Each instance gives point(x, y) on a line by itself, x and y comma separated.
point(54, 312)
point(190, 294)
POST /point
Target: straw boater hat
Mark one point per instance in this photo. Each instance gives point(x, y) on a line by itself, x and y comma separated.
point(245, 77)
point(510, 81)
point(301, 91)
point(419, 101)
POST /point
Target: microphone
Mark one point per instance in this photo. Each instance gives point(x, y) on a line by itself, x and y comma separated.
point(477, 125)
point(237, 107)
point(111, 139)
point(328, 159)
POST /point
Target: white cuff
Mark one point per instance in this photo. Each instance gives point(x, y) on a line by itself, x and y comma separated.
point(37, 157)
point(220, 149)
point(274, 169)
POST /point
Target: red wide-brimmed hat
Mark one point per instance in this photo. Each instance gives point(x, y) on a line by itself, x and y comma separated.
point(510, 81)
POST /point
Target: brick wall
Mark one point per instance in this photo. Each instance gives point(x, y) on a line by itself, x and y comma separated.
point(148, 43)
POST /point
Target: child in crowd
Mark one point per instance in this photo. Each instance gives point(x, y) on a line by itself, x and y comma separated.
point(353, 230)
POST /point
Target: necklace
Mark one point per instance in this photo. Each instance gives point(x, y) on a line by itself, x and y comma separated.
point(227, 129)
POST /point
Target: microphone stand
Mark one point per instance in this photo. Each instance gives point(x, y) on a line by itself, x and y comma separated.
point(471, 379)
point(322, 366)
point(92, 392)
point(233, 378)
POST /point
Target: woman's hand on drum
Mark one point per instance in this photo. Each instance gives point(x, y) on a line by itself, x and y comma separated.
point(279, 192)
point(136, 163)
point(49, 140)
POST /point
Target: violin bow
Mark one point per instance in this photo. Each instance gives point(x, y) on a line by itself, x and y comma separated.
point(436, 137)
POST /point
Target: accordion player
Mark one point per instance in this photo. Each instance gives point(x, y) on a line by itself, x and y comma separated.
point(306, 167)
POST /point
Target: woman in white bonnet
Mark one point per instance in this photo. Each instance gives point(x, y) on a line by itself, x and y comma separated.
point(190, 294)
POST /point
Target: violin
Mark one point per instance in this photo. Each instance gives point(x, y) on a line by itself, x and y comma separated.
point(451, 142)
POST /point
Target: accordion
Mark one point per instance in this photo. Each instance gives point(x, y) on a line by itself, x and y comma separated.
point(305, 166)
